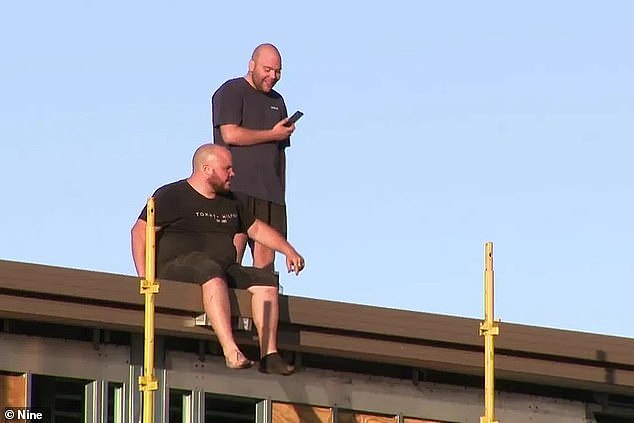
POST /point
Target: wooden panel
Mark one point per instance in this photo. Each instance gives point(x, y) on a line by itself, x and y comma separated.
point(470, 362)
point(422, 356)
point(96, 285)
point(12, 391)
point(104, 287)
point(422, 340)
point(298, 413)
point(353, 417)
point(348, 346)
point(408, 325)
point(379, 320)
point(96, 316)
point(565, 343)
point(460, 331)
point(411, 420)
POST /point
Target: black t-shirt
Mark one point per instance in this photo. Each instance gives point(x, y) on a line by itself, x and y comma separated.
point(258, 167)
point(191, 222)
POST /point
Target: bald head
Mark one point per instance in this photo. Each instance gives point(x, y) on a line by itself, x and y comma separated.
point(208, 154)
point(265, 67)
point(212, 170)
point(264, 50)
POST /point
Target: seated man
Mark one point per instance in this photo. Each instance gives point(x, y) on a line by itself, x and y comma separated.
point(196, 220)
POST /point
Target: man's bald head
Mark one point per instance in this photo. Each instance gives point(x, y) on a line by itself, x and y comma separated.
point(212, 169)
point(208, 153)
point(265, 49)
point(265, 67)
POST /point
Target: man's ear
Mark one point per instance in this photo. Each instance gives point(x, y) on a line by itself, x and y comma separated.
point(251, 65)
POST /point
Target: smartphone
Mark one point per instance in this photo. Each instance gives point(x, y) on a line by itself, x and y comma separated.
point(294, 118)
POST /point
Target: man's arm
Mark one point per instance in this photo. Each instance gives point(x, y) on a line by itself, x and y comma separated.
point(269, 237)
point(233, 134)
point(138, 246)
point(240, 244)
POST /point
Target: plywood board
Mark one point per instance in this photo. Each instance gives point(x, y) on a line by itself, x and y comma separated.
point(12, 391)
point(298, 413)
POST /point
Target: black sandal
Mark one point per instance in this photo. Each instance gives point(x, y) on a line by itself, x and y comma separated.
point(274, 364)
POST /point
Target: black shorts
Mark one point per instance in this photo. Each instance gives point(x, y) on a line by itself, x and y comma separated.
point(197, 267)
point(272, 214)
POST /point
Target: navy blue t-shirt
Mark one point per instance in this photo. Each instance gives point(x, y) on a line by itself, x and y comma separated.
point(258, 168)
point(192, 222)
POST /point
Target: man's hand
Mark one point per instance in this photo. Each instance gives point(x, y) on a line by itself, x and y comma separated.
point(294, 262)
point(280, 131)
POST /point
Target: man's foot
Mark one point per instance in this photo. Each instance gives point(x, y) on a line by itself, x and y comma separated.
point(273, 363)
point(238, 361)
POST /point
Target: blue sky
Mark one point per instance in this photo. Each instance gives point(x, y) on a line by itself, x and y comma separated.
point(429, 129)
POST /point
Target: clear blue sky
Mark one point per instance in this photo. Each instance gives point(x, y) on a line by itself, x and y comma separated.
point(429, 129)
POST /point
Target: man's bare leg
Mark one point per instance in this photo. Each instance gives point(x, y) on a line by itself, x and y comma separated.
point(265, 310)
point(218, 308)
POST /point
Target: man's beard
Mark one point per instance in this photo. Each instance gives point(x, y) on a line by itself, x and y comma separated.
point(217, 185)
point(259, 84)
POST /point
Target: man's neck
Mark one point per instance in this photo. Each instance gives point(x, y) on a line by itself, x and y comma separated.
point(201, 187)
point(248, 77)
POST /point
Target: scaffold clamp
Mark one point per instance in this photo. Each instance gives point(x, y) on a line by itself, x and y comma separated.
point(489, 328)
point(149, 287)
point(148, 383)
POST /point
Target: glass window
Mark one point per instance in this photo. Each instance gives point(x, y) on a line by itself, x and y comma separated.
point(229, 409)
point(63, 396)
point(115, 402)
point(176, 404)
point(184, 404)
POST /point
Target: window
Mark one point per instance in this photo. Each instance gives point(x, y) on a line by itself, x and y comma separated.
point(229, 409)
point(184, 405)
point(63, 396)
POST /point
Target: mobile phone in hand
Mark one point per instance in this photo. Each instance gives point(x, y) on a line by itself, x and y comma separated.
point(291, 120)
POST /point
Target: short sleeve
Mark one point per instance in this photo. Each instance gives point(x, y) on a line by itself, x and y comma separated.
point(165, 211)
point(246, 217)
point(226, 105)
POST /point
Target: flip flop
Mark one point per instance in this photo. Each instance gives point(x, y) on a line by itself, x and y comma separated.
point(240, 362)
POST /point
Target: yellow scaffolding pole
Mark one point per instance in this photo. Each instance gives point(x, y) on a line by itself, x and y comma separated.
point(149, 287)
point(488, 329)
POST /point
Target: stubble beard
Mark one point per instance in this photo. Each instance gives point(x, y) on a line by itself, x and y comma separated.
point(217, 185)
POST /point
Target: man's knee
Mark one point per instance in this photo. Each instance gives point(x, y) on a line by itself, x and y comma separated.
point(264, 291)
point(215, 285)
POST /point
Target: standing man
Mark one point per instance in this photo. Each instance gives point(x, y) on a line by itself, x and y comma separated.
point(250, 118)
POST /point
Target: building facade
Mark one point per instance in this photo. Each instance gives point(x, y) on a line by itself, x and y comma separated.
point(72, 345)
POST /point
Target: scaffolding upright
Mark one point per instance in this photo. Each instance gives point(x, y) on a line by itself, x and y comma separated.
point(149, 287)
point(489, 329)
